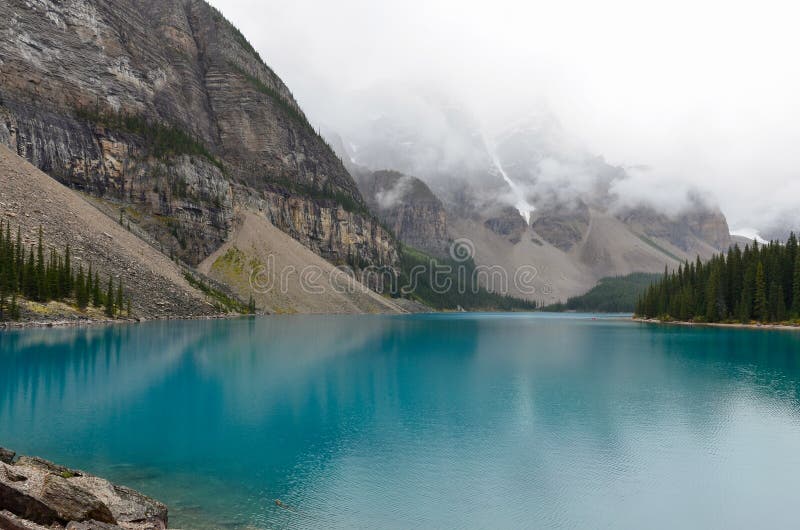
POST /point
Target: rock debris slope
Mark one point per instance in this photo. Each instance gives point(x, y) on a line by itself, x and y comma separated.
point(30, 199)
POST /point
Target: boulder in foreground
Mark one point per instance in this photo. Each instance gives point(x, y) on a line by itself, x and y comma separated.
point(35, 493)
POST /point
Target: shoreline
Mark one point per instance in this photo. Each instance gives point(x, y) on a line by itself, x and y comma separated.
point(80, 323)
point(778, 327)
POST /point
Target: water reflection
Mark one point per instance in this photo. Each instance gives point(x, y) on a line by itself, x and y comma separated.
point(458, 420)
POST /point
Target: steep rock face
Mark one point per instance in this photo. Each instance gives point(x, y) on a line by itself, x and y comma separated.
point(163, 107)
point(507, 223)
point(185, 202)
point(324, 226)
point(408, 207)
point(683, 230)
point(31, 200)
point(563, 227)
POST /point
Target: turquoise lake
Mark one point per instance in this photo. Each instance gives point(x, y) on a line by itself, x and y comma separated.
point(435, 421)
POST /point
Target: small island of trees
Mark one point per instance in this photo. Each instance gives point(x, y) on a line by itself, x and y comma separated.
point(760, 284)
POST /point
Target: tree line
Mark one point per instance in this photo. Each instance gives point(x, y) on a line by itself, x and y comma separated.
point(618, 294)
point(32, 274)
point(161, 140)
point(758, 284)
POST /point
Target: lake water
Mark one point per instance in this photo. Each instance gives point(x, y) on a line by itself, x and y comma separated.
point(436, 421)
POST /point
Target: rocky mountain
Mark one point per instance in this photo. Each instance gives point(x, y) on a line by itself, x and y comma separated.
point(535, 198)
point(158, 287)
point(285, 277)
point(408, 207)
point(163, 109)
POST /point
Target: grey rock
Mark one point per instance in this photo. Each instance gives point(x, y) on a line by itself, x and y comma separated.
point(72, 502)
point(408, 207)
point(46, 493)
point(6, 456)
point(9, 521)
point(508, 223)
point(47, 466)
point(91, 525)
point(16, 497)
point(563, 226)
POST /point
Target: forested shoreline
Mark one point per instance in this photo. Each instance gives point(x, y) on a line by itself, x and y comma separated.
point(30, 273)
point(760, 284)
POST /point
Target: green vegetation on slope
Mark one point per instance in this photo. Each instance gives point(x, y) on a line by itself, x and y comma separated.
point(446, 284)
point(222, 302)
point(760, 283)
point(326, 194)
point(658, 247)
point(162, 141)
point(29, 274)
point(617, 294)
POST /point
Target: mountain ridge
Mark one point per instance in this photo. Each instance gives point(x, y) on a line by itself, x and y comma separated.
point(166, 109)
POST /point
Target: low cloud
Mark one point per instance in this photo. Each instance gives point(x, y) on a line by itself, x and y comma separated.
point(389, 198)
point(709, 111)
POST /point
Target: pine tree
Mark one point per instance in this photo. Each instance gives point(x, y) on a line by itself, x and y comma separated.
point(748, 292)
point(110, 298)
point(67, 282)
point(81, 290)
point(715, 296)
point(760, 303)
point(30, 276)
point(20, 256)
point(97, 298)
point(41, 279)
point(796, 287)
point(14, 311)
point(780, 305)
point(120, 301)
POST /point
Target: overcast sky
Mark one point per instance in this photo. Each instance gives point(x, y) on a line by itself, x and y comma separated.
point(705, 93)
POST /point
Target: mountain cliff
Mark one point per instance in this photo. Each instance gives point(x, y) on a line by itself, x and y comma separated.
point(157, 286)
point(408, 207)
point(164, 112)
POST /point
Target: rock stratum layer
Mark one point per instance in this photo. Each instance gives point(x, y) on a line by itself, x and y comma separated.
point(165, 111)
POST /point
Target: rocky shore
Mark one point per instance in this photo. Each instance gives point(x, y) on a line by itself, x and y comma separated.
point(38, 495)
point(718, 324)
point(87, 322)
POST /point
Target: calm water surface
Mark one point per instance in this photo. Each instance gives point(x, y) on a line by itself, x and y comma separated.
point(458, 421)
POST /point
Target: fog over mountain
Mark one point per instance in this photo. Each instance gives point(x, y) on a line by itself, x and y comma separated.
point(692, 100)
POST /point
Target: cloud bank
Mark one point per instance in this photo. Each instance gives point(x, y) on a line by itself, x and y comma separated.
point(704, 94)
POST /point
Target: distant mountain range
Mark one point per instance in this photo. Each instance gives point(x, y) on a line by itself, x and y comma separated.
point(530, 196)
